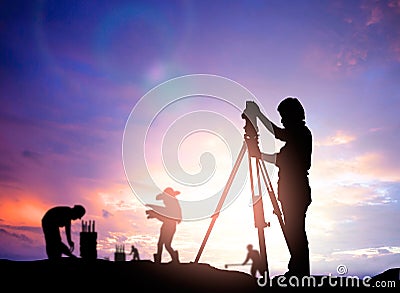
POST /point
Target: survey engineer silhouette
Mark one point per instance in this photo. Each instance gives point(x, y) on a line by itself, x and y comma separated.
point(294, 191)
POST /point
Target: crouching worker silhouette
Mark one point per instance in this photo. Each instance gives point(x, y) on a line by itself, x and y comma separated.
point(256, 265)
point(54, 219)
point(135, 253)
point(170, 215)
point(294, 192)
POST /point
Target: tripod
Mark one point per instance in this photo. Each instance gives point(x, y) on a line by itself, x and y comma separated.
point(254, 156)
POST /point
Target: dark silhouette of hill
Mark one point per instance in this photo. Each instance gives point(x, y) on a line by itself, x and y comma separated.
point(87, 275)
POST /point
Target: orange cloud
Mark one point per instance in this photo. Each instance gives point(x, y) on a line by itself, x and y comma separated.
point(22, 209)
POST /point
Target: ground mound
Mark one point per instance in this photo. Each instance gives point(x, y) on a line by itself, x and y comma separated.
point(83, 275)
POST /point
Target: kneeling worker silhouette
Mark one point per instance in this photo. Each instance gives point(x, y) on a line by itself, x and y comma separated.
point(170, 215)
point(54, 219)
point(255, 257)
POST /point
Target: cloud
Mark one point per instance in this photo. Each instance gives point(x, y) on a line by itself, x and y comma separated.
point(358, 194)
point(350, 56)
point(35, 156)
point(395, 5)
point(106, 214)
point(338, 215)
point(33, 229)
point(369, 264)
point(375, 17)
point(340, 137)
point(355, 41)
point(370, 166)
point(8, 176)
point(395, 48)
point(21, 242)
point(18, 237)
point(370, 252)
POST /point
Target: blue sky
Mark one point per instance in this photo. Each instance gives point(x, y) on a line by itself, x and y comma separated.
point(72, 72)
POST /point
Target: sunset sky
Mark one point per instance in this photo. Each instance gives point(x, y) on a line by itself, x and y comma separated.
point(79, 77)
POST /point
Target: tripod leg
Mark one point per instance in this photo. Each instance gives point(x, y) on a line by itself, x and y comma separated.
point(261, 236)
point(222, 199)
point(259, 219)
point(277, 209)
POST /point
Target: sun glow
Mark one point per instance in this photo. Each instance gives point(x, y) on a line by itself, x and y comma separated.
point(28, 211)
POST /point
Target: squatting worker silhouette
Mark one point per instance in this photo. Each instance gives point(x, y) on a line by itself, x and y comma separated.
point(170, 215)
point(294, 192)
point(54, 219)
point(254, 256)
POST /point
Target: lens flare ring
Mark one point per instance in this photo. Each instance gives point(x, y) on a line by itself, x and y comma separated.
point(187, 133)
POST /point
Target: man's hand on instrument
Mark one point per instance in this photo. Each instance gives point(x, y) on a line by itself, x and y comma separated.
point(252, 109)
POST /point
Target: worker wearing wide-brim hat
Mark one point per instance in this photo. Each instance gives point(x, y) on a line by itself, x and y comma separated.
point(170, 215)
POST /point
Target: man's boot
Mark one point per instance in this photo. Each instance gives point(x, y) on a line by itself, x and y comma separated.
point(157, 258)
point(175, 256)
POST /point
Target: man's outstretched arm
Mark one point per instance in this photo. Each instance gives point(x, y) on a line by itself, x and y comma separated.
point(246, 260)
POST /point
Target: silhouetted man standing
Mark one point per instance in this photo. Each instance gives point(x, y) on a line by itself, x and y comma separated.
point(294, 192)
point(254, 256)
point(54, 219)
point(170, 215)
